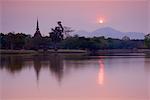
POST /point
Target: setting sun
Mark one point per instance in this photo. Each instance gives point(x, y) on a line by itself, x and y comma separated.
point(101, 21)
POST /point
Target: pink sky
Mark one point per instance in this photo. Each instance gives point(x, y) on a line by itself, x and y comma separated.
point(126, 16)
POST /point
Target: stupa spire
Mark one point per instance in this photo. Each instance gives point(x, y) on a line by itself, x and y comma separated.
point(37, 25)
point(37, 33)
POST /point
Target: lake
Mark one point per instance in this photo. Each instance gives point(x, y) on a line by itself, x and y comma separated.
point(75, 77)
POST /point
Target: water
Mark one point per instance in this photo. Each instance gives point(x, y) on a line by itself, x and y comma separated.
point(75, 77)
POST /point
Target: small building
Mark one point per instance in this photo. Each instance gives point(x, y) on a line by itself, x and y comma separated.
point(37, 34)
point(37, 38)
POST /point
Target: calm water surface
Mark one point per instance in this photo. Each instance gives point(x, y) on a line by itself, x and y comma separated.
point(74, 77)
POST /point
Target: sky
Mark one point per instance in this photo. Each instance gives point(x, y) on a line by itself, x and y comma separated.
point(149, 17)
point(123, 15)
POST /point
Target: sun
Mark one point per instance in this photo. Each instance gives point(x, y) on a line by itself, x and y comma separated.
point(101, 21)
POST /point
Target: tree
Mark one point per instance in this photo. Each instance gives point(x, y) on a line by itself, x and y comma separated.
point(2, 41)
point(56, 35)
point(126, 38)
point(147, 40)
point(46, 42)
point(19, 40)
point(10, 40)
point(28, 42)
point(67, 31)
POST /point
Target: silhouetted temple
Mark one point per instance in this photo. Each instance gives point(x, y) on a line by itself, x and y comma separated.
point(37, 33)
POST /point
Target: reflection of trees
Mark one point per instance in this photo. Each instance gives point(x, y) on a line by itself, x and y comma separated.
point(54, 62)
point(15, 64)
point(147, 70)
point(56, 66)
point(12, 63)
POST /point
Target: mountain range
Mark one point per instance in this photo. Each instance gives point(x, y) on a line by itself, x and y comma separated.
point(109, 32)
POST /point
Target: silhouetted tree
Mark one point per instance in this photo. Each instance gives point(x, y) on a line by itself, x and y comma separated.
point(46, 43)
point(28, 42)
point(56, 34)
point(147, 40)
point(2, 41)
point(11, 40)
point(19, 40)
point(67, 31)
point(23, 41)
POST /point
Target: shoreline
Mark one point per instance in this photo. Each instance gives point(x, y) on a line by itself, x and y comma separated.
point(125, 51)
point(107, 51)
point(40, 51)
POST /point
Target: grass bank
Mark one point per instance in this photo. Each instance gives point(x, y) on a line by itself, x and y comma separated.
point(108, 51)
point(39, 51)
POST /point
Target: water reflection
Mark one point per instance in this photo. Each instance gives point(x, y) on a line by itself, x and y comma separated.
point(56, 66)
point(101, 71)
point(55, 63)
point(15, 64)
point(80, 76)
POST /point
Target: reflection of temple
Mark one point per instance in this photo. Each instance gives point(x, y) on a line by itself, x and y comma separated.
point(37, 66)
point(55, 65)
point(17, 63)
point(53, 62)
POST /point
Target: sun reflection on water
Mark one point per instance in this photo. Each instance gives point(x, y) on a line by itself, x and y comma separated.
point(101, 72)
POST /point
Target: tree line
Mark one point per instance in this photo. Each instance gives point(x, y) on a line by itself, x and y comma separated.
point(18, 41)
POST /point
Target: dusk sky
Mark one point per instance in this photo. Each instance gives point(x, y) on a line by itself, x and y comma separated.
point(123, 15)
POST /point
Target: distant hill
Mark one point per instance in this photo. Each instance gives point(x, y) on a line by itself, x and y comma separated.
point(135, 35)
point(109, 32)
point(82, 33)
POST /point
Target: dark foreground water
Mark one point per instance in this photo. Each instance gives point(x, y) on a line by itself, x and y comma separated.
point(75, 77)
